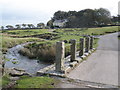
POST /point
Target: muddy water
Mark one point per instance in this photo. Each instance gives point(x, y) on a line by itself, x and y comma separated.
point(19, 61)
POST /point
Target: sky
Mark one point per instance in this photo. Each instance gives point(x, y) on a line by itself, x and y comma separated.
point(14, 12)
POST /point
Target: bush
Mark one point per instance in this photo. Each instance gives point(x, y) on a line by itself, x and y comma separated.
point(43, 52)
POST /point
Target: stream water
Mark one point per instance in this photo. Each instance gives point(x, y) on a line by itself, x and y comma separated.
point(23, 62)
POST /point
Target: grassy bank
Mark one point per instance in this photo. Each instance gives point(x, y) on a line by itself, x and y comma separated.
point(36, 82)
point(30, 82)
point(5, 80)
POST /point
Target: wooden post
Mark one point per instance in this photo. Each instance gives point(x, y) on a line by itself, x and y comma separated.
point(87, 44)
point(82, 44)
point(91, 42)
point(60, 54)
point(73, 50)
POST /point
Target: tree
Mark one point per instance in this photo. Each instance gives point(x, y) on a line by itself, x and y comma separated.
point(72, 22)
point(103, 16)
point(59, 15)
point(87, 18)
point(71, 13)
point(24, 26)
point(2, 27)
point(50, 23)
point(83, 18)
point(30, 26)
point(18, 26)
point(9, 27)
point(40, 25)
point(116, 20)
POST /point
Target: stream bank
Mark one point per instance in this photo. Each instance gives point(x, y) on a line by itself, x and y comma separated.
point(19, 61)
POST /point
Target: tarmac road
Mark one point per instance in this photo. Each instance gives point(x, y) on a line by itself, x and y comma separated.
point(102, 65)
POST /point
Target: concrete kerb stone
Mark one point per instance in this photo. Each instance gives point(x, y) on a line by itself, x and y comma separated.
point(68, 69)
point(78, 60)
point(39, 73)
point(83, 56)
point(86, 54)
point(73, 64)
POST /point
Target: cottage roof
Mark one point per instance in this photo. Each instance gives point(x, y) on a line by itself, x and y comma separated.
point(60, 21)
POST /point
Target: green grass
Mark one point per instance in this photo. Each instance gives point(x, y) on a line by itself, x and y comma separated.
point(26, 32)
point(89, 31)
point(5, 80)
point(35, 82)
point(64, 34)
point(96, 42)
point(30, 82)
point(8, 42)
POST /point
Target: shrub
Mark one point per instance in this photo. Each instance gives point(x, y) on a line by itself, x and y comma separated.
point(43, 52)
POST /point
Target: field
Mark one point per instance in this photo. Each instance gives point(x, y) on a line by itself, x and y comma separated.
point(45, 39)
point(8, 41)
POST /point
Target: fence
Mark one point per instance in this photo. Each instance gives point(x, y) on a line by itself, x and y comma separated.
point(85, 45)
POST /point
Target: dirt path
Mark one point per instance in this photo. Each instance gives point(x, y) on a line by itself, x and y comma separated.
point(101, 66)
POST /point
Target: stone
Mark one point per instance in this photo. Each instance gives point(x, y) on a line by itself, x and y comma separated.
point(91, 42)
point(83, 57)
point(79, 60)
point(68, 69)
point(15, 72)
point(87, 44)
point(14, 78)
point(60, 55)
point(73, 64)
point(82, 44)
point(86, 54)
point(19, 69)
point(73, 50)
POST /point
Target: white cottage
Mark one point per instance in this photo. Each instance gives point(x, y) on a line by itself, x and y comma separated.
point(60, 23)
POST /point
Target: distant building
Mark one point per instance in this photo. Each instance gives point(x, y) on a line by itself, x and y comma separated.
point(60, 23)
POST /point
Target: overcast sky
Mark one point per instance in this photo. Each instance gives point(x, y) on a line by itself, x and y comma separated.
point(36, 11)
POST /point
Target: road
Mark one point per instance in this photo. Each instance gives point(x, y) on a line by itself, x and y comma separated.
point(102, 65)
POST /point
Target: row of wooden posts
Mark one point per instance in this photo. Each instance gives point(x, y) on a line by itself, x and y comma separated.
point(85, 45)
